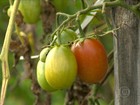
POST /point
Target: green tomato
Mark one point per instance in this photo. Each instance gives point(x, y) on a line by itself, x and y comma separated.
point(67, 36)
point(60, 67)
point(43, 54)
point(41, 77)
point(30, 9)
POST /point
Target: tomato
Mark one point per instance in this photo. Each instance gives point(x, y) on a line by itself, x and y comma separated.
point(92, 60)
point(60, 67)
point(43, 54)
point(30, 10)
point(67, 36)
point(41, 77)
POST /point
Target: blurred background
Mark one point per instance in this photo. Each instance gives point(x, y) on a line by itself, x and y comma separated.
point(20, 87)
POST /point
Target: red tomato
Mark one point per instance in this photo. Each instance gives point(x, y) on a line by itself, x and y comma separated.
point(92, 60)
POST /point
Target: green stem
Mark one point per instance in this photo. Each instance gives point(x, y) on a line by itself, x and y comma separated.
point(4, 52)
point(57, 20)
point(115, 3)
point(136, 9)
point(19, 34)
point(105, 17)
point(84, 11)
point(132, 8)
point(58, 37)
point(83, 4)
point(80, 28)
point(11, 2)
point(62, 14)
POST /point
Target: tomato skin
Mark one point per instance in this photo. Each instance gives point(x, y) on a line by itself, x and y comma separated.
point(67, 36)
point(60, 67)
point(30, 9)
point(43, 54)
point(92, 60)
point(41, 77)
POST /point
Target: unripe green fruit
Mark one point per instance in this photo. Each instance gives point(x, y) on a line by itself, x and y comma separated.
point(67, 36)
point(30, 10)
point(41, 77)
point(43, 54)
point(60, 67)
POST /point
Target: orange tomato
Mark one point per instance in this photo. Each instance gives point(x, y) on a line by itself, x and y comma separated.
point(92, 60)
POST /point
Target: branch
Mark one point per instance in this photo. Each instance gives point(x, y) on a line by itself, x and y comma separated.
point(136, 9)
point(84, 11)
point(132, 8)
point(116, 3)
point(4, 52)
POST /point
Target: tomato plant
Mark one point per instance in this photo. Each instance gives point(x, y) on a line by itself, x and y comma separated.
point(92, 60)
point(30, 9)
point(60, 67)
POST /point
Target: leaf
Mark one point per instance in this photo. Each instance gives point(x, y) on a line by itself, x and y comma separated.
point(88, 18)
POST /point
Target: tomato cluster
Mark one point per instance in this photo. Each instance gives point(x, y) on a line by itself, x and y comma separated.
point(59, 66)
point(30, 10)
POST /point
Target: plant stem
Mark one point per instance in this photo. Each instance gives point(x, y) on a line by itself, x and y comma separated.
point(105, 17)
point(136, 9)
point(84, 11)
point(10, 2)
point(58, 37)
point(19, 34)
point(80, 28)
point(115, 3)
point(4, 52)
point(131, 7)
point(83, 4)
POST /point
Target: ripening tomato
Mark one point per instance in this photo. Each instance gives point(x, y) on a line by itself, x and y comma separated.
point(30, 9)
point(60, 67)
point(92, 60)
point(67, 36)
point(41, 77)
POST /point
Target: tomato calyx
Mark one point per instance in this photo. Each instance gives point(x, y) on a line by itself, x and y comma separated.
point(82, 39)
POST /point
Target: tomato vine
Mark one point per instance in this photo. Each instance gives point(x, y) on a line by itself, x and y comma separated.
point(4, 52)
